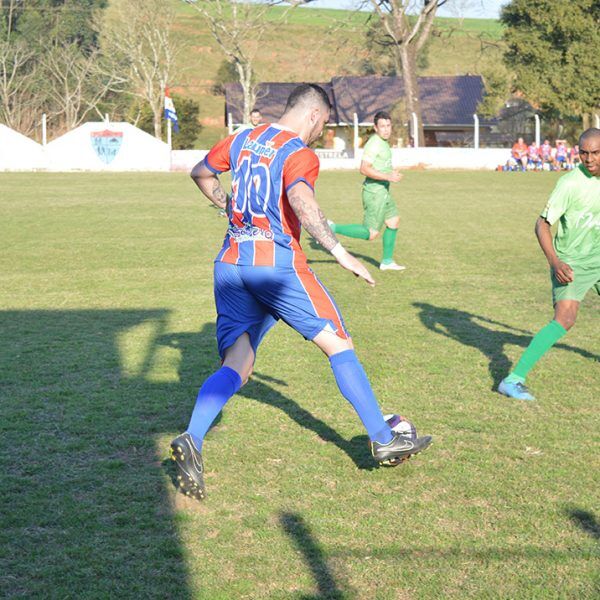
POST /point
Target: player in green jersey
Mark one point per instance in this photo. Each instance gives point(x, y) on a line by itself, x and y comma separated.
point(378, 204)
point(573, 256)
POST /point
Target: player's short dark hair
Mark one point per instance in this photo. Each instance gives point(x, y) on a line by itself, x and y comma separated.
point(382, 114)
point(588, 134)
point(307, 91)
point(255, 110)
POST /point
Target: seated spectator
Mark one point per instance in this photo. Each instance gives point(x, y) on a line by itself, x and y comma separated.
point(560, 156)
point(574, 159)
point(546, 155)
point(519, 153)
point(534, 160)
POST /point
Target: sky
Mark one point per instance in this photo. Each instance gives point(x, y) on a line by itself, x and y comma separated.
point(482, 9)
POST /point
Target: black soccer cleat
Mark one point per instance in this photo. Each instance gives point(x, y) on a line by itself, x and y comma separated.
point(190, 470)
point(399, 449)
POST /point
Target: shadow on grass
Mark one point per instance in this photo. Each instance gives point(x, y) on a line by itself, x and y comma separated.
point(586, 521)
point(316, 246)
point(313, 555)
point(83, 507)
point(261, 388)
point(469, 329)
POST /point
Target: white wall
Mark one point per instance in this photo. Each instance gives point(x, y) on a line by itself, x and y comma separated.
point(18, 152)
point(126, 148)
point(428, 158)
point(100, 146)
point(184, 160)
point(432, 158)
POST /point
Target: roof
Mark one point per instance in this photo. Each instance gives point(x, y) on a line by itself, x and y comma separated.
point(445, 101)
point(271, 100)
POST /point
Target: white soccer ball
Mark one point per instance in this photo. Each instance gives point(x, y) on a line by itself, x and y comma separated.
point(401, 425)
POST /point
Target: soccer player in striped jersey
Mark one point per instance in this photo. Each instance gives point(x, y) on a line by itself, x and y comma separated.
point(261, 275)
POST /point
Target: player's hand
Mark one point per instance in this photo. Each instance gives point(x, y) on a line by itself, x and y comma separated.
point(346, 260)
point(563, 272)
point(395, 176)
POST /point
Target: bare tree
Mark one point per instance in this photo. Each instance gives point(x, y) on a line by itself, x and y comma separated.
point(19, 102)
point(407, 25)
point(137, 36)
point(238, 27)
point(459, 8)
point(76, 83)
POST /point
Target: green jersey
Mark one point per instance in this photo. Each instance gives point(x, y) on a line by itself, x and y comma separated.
point(575, 204)
point(378, 154)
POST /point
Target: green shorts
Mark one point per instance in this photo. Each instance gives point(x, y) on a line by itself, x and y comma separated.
point(378, 206)
point(584, 280)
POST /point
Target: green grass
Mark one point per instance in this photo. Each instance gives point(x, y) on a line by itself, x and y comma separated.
point(107, 329)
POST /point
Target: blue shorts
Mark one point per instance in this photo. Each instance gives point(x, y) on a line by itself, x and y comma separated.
point(252, 299)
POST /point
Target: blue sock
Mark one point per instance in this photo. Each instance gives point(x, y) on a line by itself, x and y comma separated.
point(213, 395)
point(355, 387)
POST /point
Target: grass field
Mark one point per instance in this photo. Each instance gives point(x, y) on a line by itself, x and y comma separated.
point(106, 315)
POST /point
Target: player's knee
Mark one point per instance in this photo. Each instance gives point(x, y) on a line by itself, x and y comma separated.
point(567, 321)
point(566, 318)
point(373, 234)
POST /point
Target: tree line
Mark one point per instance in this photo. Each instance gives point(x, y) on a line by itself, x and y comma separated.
point(76, 60)
point(79, 59)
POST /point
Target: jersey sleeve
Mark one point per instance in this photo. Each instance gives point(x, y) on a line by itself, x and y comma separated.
point(217, 160)
point(301, 166)
point(371, 150)
point(559, 201)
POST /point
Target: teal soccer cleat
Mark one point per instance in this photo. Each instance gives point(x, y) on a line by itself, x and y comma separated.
point(515, 389)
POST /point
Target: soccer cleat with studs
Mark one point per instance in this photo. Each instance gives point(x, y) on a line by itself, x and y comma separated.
point(399, 449)
point(190, 469)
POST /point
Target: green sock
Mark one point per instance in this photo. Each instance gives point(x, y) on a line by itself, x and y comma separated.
point(539, 345)
point(352, 230)
point(389, 241)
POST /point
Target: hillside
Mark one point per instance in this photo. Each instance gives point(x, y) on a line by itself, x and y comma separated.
point(316, 44)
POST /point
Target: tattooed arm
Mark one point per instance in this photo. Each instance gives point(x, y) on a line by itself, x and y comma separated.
point(302, 200)
point(210, 186)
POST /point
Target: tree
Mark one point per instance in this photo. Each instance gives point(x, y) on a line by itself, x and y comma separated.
point(19, 101)
point(407, 25)
point(238, 27)
point(553, 51)
point(48, 61)
point(76, 82)
point(459, 8)
point(137, 35)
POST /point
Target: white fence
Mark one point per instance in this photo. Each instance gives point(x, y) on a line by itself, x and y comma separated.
point(101, 146)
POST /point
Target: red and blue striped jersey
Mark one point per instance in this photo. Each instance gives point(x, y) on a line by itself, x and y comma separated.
point(265, 163)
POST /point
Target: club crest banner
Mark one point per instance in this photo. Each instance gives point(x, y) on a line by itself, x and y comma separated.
point(106, 144)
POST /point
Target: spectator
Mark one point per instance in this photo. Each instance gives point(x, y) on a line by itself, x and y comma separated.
point(574, 160)
point(546, 155)
point(534, 160)
point(519, 153)
point(560, 156)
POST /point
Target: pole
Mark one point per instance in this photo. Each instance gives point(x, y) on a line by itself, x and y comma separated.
point(355, 142)
point(169, 133)
point(537, 129)
point(106, 119)
point(44, 129)
point(229, 123)
point(415, 130)
point(597, 119)
point(476, 132)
